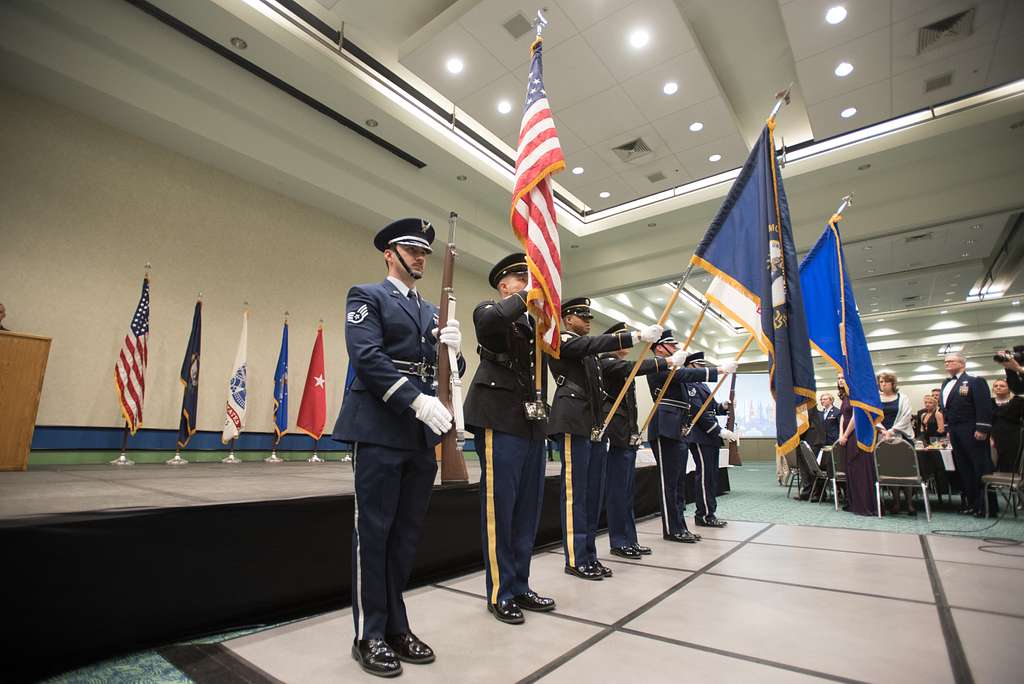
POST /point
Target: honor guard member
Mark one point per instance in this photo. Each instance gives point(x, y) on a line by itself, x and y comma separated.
point(621, 442)
point(967, 406)
point(704, 439)
point(393, 419)
point(509, 430)
point(575, 425)
point(667, 436)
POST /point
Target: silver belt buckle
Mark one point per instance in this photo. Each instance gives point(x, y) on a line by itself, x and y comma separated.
point(535, 410)
point(595, 433)
point(634, 440)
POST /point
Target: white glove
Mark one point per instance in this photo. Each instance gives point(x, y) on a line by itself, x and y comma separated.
point(649, 333)
point(728, 366)
point(432, 412)
point(451, 335)
point(729, 435)
point(678, 359)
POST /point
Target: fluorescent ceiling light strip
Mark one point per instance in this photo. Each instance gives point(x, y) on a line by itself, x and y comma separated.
point(869, 133)
point(1005, 91)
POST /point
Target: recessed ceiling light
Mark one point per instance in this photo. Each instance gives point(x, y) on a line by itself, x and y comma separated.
point(670, 88)
point(872, 289)
point(1015, 302)
point(371, 123)
point(881, 320)
point(835, 14)
point(871, 270)
point(944, 311)
point(870, 260)
point(951, 293)
point(454, 65)
point(848, 112)
point(577, 170)
point(504, 107)
point(604, 194)
point(965, 254)
point(239, 43)
point(639, 38)
point(867, 248)
point(947, 300)
point(696, 126)
point(976, 226)
point(715, 158)
point(843, 69)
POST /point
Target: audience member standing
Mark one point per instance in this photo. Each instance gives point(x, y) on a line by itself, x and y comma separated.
point(829, 419)
point(930, 422)
point(1007, 419)
point(860, 466)
point(896, 424)
point(968, 410)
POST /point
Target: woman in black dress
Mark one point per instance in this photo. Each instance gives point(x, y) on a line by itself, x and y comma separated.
point(1007, 417)
point(860, 465)
point(931, 422)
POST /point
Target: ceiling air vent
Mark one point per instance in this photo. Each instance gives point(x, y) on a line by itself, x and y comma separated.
point(633, 150)
point(939, 33)
point(518, 26)
point(656, 177)
point(917, 238)
point(931, 84)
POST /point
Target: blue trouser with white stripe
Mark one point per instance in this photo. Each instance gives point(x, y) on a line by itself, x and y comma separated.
point(511, 494)
point(705, 457)
point(392, 492)
point(671, 464)
point(621, 474)
point(577, 455)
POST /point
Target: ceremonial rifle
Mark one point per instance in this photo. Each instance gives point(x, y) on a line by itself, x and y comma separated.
point(730, 424)
point(449, 384)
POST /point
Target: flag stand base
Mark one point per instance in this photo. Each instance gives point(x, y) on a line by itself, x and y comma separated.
point(230, 459)
point(272, 458)
point(177, 460)
point(314, 459)
point(122, 460)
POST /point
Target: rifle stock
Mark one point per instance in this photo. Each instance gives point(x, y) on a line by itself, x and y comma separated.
point(449, 384)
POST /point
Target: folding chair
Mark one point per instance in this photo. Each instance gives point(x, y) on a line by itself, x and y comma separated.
point(794, 472)
point(838, 454)
point(1011, 482)
point(807, 455)
point(896, 465)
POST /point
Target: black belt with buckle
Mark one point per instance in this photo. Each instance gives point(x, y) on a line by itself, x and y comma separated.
point(421, 369)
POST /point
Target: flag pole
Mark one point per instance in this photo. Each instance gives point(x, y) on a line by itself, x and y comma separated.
point(178, 460)
point(273, 458)
point(707, 402)
point(847, 202)
point(315, 458)
point(781, 98)
point(231, 458)
point(123, 459)
point(647, 347)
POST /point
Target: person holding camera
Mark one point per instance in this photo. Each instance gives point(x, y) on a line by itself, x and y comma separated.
point(1013, 363)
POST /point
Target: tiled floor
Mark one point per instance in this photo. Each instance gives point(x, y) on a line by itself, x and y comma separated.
point(752, 602)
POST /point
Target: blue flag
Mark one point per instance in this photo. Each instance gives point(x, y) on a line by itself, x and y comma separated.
point(749, 251)
point(190, 379)
point(836, 331)
point(281, 388)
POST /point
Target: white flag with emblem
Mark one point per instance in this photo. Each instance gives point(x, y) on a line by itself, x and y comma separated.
point(234, 419)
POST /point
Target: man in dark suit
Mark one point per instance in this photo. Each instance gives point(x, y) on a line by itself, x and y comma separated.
point(815, 438)
point(510, 442)
point(967, 407)
point(393, 418)
point(575, 425)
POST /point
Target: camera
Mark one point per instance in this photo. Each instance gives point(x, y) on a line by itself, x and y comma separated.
point(1016, 355)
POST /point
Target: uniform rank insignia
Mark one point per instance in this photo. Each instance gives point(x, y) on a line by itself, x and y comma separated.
point(359, 315)
point(692, 391)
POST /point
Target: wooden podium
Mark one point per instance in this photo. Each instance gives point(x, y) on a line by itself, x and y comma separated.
point(22, 365)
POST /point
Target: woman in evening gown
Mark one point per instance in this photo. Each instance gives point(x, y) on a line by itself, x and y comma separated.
point(860, 464)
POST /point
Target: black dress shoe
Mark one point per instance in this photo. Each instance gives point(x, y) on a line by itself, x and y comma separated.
point(531, 601)
point(625, 552)
point(603, 569)
point(709, 521)
point(684, 537)
point(966, 511)
point(586, 572)
point(507, 611)
point(642, 550)
point(376, 657)
point(800, 497)
point(409, 648)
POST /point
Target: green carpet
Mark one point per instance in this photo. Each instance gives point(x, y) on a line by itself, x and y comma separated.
point(757, 497)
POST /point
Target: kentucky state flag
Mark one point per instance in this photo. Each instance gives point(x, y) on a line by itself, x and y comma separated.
point(190, 379)
point(836, 331)
point(749, 250)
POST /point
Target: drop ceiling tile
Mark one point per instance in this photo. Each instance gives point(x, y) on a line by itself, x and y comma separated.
point(969, 71)
point(869, 56)
point(688, 70)
point(572, 72)
point(873, 103)
point(485, 22)
point(590, 192)
point(1008, 59)
point(714, 114)
point(669, 36)
point(810, 34)
point(483, 106)
point(594, 167)
point(602, 116)
point(428, 62)
point(659, 148)
point(586, 13)
point(670, 167)
point(987, 20)
point(567, 138)
point(695, 161)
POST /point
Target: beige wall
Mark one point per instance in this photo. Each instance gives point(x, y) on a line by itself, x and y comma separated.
point(84, 206)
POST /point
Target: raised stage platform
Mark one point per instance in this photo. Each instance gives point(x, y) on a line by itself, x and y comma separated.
point(108, 559)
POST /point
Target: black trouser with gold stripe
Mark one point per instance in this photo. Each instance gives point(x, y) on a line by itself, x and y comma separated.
point(511, 493)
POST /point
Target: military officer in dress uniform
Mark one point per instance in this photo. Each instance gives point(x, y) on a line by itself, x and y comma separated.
point(704, 439)
point(967, 407)
point(509, 430)
point(666, 433)
point(620, 443)
point(393, 419)
point(575, 425)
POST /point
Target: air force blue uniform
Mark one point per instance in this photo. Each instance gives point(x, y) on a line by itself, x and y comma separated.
point(704, 443)
point(967, 407)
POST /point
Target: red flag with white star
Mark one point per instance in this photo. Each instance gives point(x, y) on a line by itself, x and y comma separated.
point(313, 409)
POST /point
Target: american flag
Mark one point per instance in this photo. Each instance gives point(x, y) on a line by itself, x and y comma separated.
point(130, 369)
point(533, 206)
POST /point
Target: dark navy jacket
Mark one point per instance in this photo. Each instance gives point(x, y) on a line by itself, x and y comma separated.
point(706, 429)
point(675, 411)
point(380, 325)
point(968, 404)
point(830, 423)
point(576, 408)
point(614, 371)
